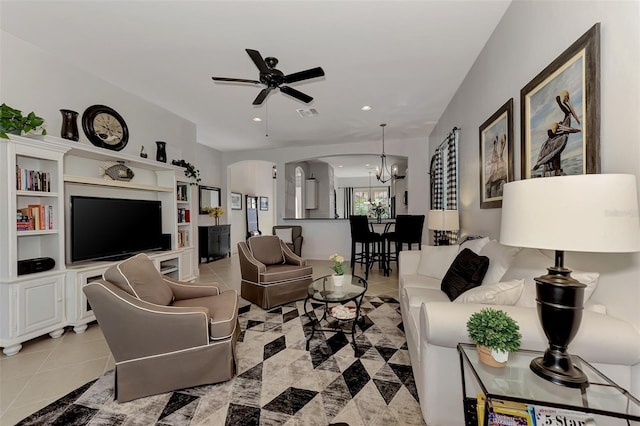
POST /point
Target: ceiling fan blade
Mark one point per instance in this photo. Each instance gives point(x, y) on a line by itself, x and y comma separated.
point(296, 94)
point(235, 80)
point(304, 75)
point(261, 96)
point(256, 57)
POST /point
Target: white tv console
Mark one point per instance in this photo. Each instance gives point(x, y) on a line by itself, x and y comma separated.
point(35, 304)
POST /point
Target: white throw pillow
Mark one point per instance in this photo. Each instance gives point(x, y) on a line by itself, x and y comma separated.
point(528, 296)
point(285, 235)
point(500, 258)
point(435, 260)
point(475, 245)
point(504, 293)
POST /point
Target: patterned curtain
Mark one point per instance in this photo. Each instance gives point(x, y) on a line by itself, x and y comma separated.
point(444, 180)
point(348, 202)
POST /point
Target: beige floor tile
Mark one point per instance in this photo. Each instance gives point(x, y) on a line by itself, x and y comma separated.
point(22, 364)
point(75, 352)
point(57, 383)
point(9, 389)
point(16, 413)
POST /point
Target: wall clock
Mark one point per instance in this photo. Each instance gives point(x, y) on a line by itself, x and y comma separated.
point(105, 127)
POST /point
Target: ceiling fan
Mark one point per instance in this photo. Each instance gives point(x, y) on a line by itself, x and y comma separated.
point(274, 78)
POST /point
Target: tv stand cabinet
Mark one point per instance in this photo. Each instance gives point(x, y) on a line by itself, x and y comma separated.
point(40, 303)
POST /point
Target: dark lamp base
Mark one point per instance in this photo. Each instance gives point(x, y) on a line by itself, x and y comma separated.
point(557, 367)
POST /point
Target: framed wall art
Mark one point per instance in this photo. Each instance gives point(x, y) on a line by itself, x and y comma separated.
point(236, 201)
point(560, 113)
point(264, 203)
point(496, 155)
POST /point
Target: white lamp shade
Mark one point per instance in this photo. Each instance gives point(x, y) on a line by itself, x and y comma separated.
point(587, 213)
point(443, 220)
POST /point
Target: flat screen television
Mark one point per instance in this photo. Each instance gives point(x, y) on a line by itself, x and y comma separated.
point(113, 228)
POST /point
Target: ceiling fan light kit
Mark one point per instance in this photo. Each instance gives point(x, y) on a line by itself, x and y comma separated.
point(273, 78)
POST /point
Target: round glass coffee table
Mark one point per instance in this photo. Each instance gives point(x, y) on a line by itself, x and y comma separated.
point(337, 291)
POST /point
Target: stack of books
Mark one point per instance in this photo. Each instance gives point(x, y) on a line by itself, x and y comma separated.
point(34, 217)
point(509, 413)
point(32, 180)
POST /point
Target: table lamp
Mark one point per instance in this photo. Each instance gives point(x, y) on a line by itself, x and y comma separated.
point(443, 220)
point(585, 213)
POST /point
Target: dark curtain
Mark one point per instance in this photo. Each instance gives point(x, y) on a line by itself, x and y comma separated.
point(444, 180)
point(348, 202)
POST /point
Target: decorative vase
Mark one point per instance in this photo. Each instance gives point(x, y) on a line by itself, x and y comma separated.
point(339, 280)
point(379, 218)
point(69, 129)
point(488, 356)
point(217, 221)
point(161, 152)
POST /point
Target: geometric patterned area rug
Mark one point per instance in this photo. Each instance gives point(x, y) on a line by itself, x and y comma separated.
point(277, 382)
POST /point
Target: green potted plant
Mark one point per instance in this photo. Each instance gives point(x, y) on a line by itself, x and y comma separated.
point(495, 334)
point(13, 122)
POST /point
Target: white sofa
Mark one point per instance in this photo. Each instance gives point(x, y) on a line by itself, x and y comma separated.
point(434, 326)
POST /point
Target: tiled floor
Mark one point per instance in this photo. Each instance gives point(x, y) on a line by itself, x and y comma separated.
point(46, 369)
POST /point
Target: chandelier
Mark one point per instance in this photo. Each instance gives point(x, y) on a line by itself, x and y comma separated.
point(384, 173)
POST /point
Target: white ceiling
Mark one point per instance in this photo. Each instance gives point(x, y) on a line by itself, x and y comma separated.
point(403, 58)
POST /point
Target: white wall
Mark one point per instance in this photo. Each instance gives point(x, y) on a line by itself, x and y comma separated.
point(325, 236)
point(249, 178)
point(529, 37)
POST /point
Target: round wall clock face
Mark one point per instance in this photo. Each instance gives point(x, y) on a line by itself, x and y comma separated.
point(105, 128)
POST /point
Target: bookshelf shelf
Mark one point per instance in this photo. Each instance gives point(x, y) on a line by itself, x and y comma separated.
point(115, 183)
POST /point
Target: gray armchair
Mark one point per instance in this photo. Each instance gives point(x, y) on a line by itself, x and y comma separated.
point(271, 273)
point(293, 240)
point(164, 334)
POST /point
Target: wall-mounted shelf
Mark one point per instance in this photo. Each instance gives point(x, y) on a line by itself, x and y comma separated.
point(115, 183)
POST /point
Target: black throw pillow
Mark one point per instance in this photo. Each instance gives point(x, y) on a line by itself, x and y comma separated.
point(466, 272)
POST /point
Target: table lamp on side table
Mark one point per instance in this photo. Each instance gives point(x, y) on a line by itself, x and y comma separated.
point(443, 220)
point(585, 213)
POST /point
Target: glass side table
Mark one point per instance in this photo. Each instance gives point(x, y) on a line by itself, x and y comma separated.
point(516, 382)
point(328, 290)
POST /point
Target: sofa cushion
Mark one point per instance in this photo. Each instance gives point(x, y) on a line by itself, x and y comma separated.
point(435, 260)
point(420, 281)
point(531, 263)
point(284, 273)
point(475, 245)
point(223, 312)
point(139, 277)
point(284, 234)
point(528, 296)
point(266, 249)
point(417, 296)
point(500, 259)
point(504, 293)
point(466, 271)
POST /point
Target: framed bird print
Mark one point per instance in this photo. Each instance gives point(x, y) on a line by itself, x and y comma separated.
point(496, 155)
point(560, 113)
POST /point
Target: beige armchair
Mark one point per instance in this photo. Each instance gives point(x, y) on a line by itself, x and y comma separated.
point(291, 235)
point(271, 273)
point(164, 334)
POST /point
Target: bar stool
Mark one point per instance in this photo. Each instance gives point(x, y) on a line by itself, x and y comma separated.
point(371, 244)
point(408, 230)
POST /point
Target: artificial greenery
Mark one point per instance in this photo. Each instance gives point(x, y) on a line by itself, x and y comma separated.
point(13, 122)
point(190, 171)
point(338, 264)
point(494, 329)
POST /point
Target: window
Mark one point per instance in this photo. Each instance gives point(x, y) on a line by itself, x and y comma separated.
point(362, 205)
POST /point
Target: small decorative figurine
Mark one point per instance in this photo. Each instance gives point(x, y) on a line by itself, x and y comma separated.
point(142, 153)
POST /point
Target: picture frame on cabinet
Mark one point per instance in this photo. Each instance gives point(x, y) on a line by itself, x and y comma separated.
point(236, 201)
point(496, 155)
point(560, 110)
point(264, 203)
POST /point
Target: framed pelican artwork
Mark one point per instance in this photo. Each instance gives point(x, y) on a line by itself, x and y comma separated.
point(496, 155)
point(560, 110)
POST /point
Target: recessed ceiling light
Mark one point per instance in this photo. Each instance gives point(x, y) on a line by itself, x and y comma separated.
point(340, 166)
point(257, 119)
point(366, 108)
point(368, 165)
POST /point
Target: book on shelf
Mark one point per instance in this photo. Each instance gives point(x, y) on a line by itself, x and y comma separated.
point(32, 180)
point(34, 217)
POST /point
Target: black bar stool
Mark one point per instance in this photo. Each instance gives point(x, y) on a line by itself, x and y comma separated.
point(371, 244)
point(408, 230)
